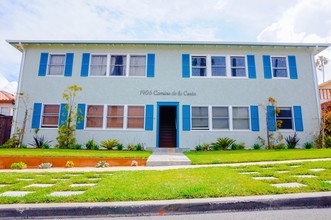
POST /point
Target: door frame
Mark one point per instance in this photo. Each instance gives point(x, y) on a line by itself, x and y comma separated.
point(159, 104)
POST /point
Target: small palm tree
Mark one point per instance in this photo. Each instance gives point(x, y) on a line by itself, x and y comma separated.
point(320, 63)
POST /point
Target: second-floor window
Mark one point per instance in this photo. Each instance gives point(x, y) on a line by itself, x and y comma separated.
point(98, 65)
point(199, 66)
point(279, 67)
point(117, 65)
point(56, 64)
point(238, 66)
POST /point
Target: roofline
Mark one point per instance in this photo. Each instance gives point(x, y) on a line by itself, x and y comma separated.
point(19, 43)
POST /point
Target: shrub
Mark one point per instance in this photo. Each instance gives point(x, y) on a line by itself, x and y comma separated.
point(131, 147)
point(76, 146)
point(198, 148)
point(12, 142)
point(308, 145)
point(257, 146)
point(292, 141)
point(109, 144)
point(40, 141)
point(205, 147)
point(46, 146)
point(120, 147)
point(23, 146)
point(139, 147)
point(222, 143)
point(91, 145)
point(45, 165)
point(19, 165)
point(240, 146)
point(69, 164)
point(327, 142)
point(279, 146)
point(102, 164)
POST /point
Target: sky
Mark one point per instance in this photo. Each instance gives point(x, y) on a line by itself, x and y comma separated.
point(295, 21)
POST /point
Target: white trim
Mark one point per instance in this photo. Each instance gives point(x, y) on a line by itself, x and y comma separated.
point(49, 59)
point(90, 61)
point(287, 67)
point(42, 114)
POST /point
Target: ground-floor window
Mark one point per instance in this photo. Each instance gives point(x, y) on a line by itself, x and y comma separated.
point(220, 118)
point(50, 116)
point(286, 118)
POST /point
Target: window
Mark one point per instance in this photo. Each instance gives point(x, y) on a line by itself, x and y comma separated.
point(200, 118)
point(117, 65)
point(98, 65)
point(136, 116)
point(279, 67)
point(285, 115)
point(238, 66)
point(240, 117)
point(218, 66)
point(56, 65)
point(4, 111)
point(115, 116)
point(137, 66)
point(50, 117)
point(94, 117)
point(199, 66)
point(220, 117)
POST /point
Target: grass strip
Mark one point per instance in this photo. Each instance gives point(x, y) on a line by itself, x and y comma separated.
point(237, 156)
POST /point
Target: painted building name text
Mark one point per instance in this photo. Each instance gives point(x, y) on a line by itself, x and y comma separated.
point(167, 93)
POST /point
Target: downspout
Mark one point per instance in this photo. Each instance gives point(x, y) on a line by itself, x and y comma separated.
point(13, 129)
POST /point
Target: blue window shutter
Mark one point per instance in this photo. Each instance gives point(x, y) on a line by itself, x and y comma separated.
point(293, 67)
point(251, 67)
point(150, 65)
point(186, 65)
point(81, 117)
point(267, 67)
point(85, 64)
point(43, 64)
point(63, 114)
point(255, 126)
point(186, 117)
point(36, 115)
point(149, 117)
point(271, 118)
point(69, 63)
point(298, 118)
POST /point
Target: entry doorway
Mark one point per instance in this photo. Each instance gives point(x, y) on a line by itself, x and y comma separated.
point(167, 126)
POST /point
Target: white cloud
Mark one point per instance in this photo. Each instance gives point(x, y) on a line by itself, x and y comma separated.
point(7, 86)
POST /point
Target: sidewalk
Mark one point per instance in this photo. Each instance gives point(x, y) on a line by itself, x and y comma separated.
point(114, 169)
point(167, 207)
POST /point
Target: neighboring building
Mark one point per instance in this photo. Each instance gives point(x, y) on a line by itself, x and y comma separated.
point(7, 103)
point(170, 94)
point(325, 95)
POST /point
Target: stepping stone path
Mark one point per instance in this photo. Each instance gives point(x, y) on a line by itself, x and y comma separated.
point(3, 185)
point(15, 193)
point(60, 179)
point(282, 171)
point(95, 179)
point(24, 179)
point(264, 178)
point(287, 185)
point(73, 174)
point(294, 166)
point(249, 173)
point(304, 176)
point(39, 185)
point(317, 169)
point(66, 193)
point(82, 184)
point(329, 181)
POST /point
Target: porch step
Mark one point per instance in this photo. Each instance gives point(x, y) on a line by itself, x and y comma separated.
point(167, 159)
point(167, 150)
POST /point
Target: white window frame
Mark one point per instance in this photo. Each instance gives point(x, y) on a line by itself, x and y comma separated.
point(249, 117)
point(103, 117)
point(90, 62)
point(127, 117)
point(230, 67)
point(229, 118)
point(292, 117)
point(129, 67)
point(207, 66)
point(287, 67)
point(106, 117)
point(226, 66)
point(191, 117)
point(48, 63)
point(126, 73)
point(42, 115)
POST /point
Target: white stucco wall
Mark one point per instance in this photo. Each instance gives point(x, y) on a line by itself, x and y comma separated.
point(168, 77)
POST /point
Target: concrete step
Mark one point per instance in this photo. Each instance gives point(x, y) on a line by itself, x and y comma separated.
point(167, 159)
point(167, 150)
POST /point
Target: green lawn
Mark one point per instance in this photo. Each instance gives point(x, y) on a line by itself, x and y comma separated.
point(229, 156)
point(74, 153)
point(169, 184)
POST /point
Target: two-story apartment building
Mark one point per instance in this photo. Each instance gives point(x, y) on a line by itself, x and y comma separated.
point(170, 94)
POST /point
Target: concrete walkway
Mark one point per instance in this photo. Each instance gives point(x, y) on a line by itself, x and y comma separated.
point(167, 159)
point(167, 207)
point(113, 169)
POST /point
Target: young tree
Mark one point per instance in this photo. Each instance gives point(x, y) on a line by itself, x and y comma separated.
point(66, 132)
point(320, 63)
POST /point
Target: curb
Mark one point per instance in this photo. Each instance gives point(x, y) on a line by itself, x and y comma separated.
point(168, 207)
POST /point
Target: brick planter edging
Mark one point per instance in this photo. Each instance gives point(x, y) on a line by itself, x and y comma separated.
point(34, 162)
